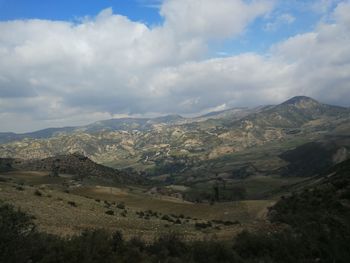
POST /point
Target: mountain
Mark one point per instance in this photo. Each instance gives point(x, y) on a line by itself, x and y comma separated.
point(122, 124)
point(6, 137)
point(173, 144)
point(234, 113)
point(294, 113)
point(168, 119)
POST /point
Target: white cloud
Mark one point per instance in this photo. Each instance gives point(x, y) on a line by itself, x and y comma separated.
point(211, 19)
point(280, 21)
point(59, 73)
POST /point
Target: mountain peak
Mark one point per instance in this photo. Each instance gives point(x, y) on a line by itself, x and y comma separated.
point(301, 102)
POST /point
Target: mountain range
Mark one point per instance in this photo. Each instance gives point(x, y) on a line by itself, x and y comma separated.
point(174, 144)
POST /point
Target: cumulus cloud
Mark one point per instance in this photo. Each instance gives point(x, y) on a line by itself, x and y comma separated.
point(211, 19)
point(55, 73)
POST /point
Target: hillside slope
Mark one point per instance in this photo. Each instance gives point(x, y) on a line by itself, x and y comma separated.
point(73, 164)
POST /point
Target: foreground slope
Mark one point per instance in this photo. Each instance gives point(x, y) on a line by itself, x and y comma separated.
point(309, 225)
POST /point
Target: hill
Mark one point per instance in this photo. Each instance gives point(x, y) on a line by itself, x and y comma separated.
point(312, 158)
point(73, 164)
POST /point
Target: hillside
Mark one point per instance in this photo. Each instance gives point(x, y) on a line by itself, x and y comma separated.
point(312, 158)
point(309, 225)
point(328, 196)
point(72, 164)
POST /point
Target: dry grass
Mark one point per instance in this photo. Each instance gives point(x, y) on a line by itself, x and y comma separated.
point(54, 214)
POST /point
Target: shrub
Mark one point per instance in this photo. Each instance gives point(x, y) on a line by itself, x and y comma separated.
point(37, 193)
point(168, 246)
point(121, 206)
point(19, 188)
point(178, 221)
point(167, 218)
point(230, 223)
point(202, 225)
point(72, 203)
point(110, 212)
point(15, 228)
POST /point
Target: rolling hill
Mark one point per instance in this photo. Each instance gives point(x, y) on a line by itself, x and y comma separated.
point(75, 164)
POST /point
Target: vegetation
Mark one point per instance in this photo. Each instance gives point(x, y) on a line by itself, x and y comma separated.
point(37, 193)
point(72, 203)
point(208, 193)
point(313, 226)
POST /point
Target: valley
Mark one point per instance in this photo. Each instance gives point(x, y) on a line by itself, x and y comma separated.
point(207, 177)
point(65, 208)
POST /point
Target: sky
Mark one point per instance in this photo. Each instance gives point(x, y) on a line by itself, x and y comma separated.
point(69, 63)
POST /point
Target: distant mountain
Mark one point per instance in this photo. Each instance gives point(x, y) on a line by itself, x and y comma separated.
point(168, 119)
point(171, 141)
point(41, 134)
point(122, 124)
point(234, 113)
point(8, 137)
point(294, 113)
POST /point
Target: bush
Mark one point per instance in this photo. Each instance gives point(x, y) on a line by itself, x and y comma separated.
point(121, 206)
point(109, 212)
point(37, 193)
point(72, 203)
point(15, 228)
point(168, 246)
point(178, 221)
point(203, 225)
point(20, 188)
point(167, 218)
point(230, 223)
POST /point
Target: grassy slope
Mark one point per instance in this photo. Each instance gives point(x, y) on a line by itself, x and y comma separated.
point(55, 215)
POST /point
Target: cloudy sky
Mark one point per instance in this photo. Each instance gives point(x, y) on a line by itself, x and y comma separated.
point(74, 62)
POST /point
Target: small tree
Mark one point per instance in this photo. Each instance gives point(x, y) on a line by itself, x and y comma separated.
point(54, 169)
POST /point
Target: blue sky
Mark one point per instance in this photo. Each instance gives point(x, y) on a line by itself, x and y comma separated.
point(66, 63)
point(256, 38)
point(72, 9)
